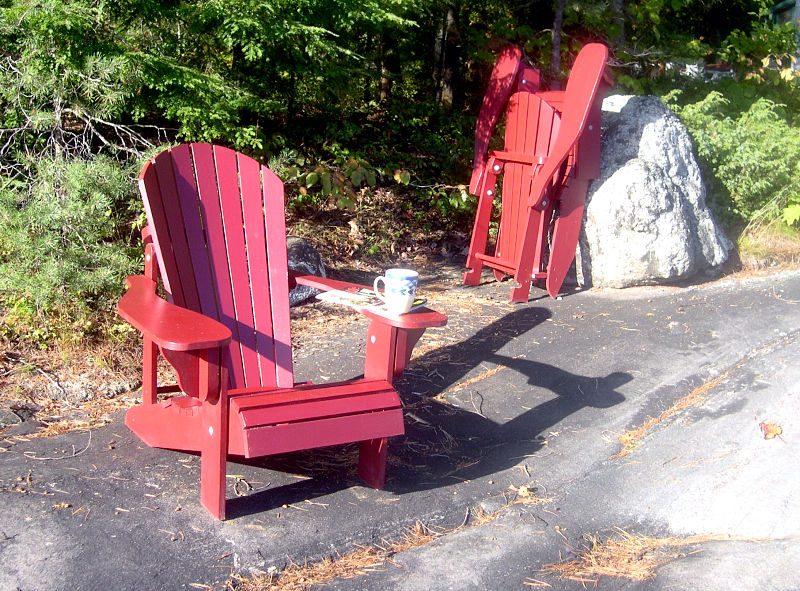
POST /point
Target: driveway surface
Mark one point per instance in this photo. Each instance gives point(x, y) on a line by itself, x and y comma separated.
point(512, 459)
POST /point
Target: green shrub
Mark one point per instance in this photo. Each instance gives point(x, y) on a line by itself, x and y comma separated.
point(749, 156)
point(65, 246)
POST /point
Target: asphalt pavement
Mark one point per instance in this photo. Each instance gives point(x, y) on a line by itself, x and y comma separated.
point(512, 460)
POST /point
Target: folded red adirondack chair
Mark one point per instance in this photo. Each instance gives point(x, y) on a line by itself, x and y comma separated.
point(552, 151)
point(216, 238)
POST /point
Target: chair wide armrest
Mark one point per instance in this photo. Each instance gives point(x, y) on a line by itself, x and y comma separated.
point(170, 326)
point(323, 283)
point(420, 318)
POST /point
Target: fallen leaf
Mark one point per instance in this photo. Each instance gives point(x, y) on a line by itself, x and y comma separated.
point(770, 430)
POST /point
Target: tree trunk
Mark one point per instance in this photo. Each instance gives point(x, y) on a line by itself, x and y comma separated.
point(58, 128)
point(290, 101)
point(618, 9)
point(446, 58)
point(389, 65)
point(438, 51)
point(385, 82)
point(555, 64)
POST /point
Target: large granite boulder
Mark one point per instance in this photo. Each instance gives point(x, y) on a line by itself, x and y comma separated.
point(305, 259)
point(646, 221)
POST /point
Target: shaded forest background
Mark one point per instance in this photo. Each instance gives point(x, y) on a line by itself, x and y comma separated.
point(365, 108)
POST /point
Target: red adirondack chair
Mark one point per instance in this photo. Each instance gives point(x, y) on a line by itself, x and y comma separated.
point(216, 238)
point(552, 151)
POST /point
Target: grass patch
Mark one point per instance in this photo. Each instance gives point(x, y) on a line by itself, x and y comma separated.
point(770, 244)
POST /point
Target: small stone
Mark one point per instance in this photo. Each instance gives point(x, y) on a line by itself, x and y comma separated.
point(492, 505)
point(8, 417)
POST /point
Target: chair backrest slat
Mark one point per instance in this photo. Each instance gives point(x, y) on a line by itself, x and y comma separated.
point(217, 168)
point(275, 221)
point(150, 190)
point(219, 231)
point(170, 237)
point(258, 260)
point(515, 175)
point(231, 192)
point(531, 126)
point(200, 291)
point(500, 87)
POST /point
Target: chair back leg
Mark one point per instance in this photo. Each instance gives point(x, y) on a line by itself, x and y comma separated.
point(372, 462)
point(566, 231)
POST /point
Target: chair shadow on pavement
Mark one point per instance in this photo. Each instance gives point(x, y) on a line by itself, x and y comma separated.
point(486, 425)
point(456, 429)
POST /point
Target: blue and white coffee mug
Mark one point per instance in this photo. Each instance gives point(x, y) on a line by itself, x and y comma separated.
point(399, 289)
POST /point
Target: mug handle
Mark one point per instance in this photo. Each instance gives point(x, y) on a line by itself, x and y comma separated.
point(375, 288)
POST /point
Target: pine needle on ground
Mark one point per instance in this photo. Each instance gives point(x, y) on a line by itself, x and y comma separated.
point(627, 556)
point(630, 439)
point(361, 561)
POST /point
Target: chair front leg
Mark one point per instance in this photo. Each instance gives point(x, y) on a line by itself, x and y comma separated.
point(528, 254)
point(480, 231)
point(214, 434)
point(389, 350)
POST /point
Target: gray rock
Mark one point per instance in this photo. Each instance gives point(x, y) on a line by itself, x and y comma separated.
point(304, 258)
point(17, 418)
point(8, 417)
point(646, 220)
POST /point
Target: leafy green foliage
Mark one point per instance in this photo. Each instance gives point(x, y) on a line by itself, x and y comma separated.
point(791, 213)
point(763, 46)
point(62, 246)
point(749, 155)
point(66, 82)
point(62, 75)
point(337, 182)
point(234, 71)
point(342, 98)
